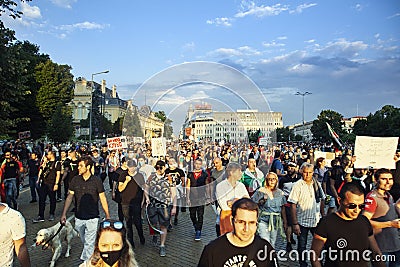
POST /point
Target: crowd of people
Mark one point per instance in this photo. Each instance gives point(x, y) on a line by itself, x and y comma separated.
point(259, 194)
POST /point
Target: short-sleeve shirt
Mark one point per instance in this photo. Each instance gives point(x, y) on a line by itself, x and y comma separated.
point(86, 194)
point(176, 175)
point(133, 192)
point(52, 167)
point(12, 226)
point(159, 189)
point(220, 252)
point(345, 235)
point(225, 191)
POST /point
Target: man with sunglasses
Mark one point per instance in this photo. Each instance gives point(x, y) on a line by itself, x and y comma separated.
point(10, 171)
point(241, 247)
point(381, 212)
point(160, 194)
point(346, 235)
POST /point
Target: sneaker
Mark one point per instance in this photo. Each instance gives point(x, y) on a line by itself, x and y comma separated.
point(51, 217)
point(20, 187)
point(142, 240)
point(33, 201)
point(154, 240)
point(162, 251)
point(176, 221)
point(59, 199)
point(197, 236)
point(38, 219)
point(170, 228)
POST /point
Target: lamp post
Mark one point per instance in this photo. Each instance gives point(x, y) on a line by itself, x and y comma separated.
point(91, 103)
point(303, 95)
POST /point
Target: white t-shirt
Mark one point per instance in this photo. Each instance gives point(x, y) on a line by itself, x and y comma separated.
point(12, 225)
point(225, 191)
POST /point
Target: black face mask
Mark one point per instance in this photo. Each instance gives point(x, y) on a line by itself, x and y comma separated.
point(110, 257)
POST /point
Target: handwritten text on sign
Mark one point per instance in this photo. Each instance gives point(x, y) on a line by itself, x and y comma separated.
point(117, 143)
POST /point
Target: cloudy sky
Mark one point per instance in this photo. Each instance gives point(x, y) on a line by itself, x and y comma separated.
point(345, 52)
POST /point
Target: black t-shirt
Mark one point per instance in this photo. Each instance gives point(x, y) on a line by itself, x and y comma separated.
point(11, 169)
point(33, 166)
point(343, 236)
point(176, 175)
point(72, 166)
point(86, 194)
point(133, 192)
point(220, 252)
point(50, 172)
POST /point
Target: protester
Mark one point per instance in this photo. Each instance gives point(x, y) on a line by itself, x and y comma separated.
point(86, 190)
point(227, 192)
point(241, 247)
point(111, 247)
point(252, 177)
point(381, 211)
point(345, 231)
point(12, 237)
point(272, 217)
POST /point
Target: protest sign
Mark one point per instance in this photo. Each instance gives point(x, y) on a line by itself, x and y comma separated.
point(117, 143)
point(376, 152)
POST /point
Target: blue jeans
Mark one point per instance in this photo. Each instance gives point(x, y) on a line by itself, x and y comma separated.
point(394, 258)
point(10, 185)
point(264, 233)
point(33, 186)
point(302, 239)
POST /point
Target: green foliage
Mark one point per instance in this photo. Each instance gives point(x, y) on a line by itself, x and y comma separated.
point(8, 6)
point(253, 135)
point(383, 123)
point(320, 130)
point(132, 124)
point(161, 115)
point(284, 134)
point(57, 87)
point(60, 128)
point(298, 137)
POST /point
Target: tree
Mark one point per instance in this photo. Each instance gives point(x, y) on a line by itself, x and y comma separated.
point(57, 87)
point(284, 134)
point(168, 129)
point(132, 124)
point(9, 7)
point(319, 129)
point(383, 123)
point(60, 128)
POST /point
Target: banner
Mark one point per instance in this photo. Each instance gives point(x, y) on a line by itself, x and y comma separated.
point(334, 135)
point(117, 143)
point(158, 146)
point(376, 152)
point(328, 156)
point(24, 135)
point(263, 141)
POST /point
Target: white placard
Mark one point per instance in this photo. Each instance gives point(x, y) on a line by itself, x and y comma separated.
point(328, 156)
point(158, 147)
point(117, 143)
point(263, 141)
point(376, 152)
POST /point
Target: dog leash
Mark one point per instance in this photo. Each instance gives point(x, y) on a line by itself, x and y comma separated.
point(45, 245)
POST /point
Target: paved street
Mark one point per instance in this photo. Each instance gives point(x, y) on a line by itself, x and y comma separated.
point(182, 250)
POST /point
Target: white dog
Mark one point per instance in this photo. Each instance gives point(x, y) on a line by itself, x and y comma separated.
point(66, 233)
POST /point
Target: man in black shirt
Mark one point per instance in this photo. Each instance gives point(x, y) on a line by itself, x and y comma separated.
point(346, 235)
point(177, 178)
point(242, 247)
point(49, 173)
point(10, 171)
point(130, 185)
point(86, 189)
point(33, 165)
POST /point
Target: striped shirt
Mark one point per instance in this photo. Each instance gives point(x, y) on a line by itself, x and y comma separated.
point(308, 210)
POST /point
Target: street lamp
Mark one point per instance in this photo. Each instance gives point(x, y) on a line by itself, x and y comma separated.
point(91, 103)
point(303, 95)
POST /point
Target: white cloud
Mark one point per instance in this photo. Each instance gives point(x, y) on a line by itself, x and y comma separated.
point(393, 16)
point(310, 41)
point(227, 22)
point(277, 95)
point(230, 52)
point(64, 3)
point(273, 44)
point(343, 48)
point(83, 26)
point(30, 12)
point(189, 46)
point(282, 38)
point(358, 7)
point(251, 9)
point(299, 9)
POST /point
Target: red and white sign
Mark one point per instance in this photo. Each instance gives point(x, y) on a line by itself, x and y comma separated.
point(117, 143)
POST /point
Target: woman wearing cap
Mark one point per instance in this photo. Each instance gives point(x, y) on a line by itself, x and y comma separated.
point(111, 247)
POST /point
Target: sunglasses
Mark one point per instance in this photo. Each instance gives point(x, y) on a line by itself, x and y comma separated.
point(115, 225)
point(353, 206)
point(158, 167)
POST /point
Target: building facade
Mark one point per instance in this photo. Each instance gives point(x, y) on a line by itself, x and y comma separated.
point(203, 123)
